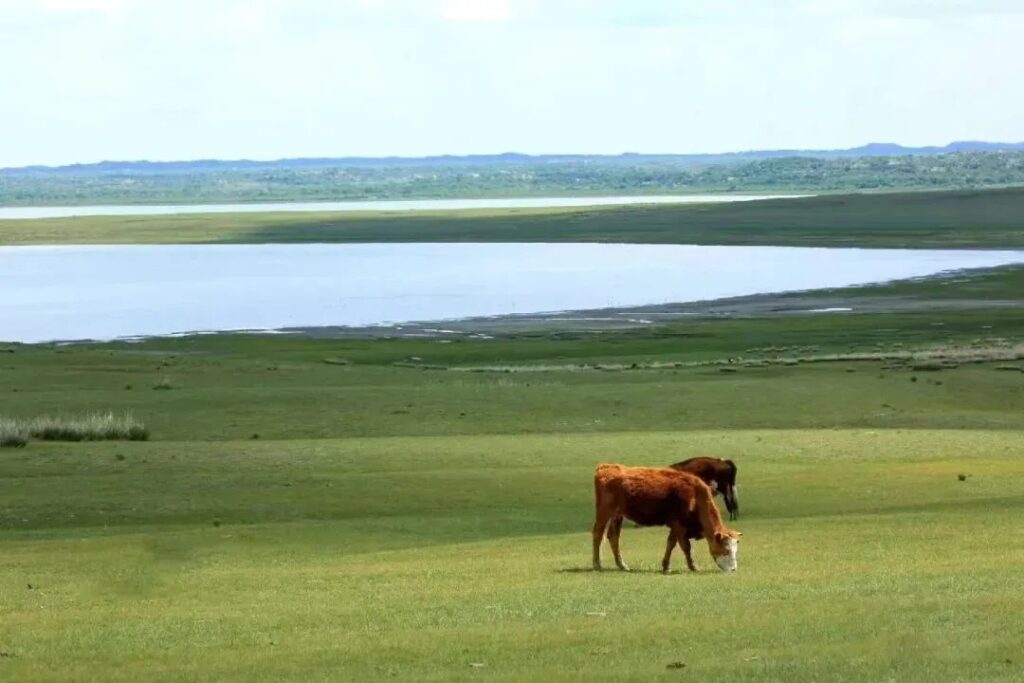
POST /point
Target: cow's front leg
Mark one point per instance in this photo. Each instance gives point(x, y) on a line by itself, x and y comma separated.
point(614, 531)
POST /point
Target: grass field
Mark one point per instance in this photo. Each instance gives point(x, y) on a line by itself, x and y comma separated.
point(863, 558)
point(960, 219)
point(319, 510)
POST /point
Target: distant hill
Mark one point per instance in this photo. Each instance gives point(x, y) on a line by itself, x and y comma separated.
point(875, 149)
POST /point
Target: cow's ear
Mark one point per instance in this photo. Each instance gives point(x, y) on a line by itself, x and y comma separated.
point(737, 534)
point(720, 536)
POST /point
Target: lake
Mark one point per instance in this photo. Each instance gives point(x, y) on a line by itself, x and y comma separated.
point(10, 212)
point(104, 292)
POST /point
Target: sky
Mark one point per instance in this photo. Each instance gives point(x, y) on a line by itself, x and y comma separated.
point(87, 80)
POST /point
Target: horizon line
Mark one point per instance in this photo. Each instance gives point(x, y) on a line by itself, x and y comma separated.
point(398, 157)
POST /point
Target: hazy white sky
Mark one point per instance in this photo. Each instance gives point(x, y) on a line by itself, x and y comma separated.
point(85, 80)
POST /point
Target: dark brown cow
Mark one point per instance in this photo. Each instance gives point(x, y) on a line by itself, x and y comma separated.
point(660, 496)
point(719, 474)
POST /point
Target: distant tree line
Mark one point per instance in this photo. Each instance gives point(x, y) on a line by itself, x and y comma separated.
point(517, 178)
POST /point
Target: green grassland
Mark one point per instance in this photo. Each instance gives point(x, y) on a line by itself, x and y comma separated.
point(961, 219)
point(395, 519)
point(863, 558)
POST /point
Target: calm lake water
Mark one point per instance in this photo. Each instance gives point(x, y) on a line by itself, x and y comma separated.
point(405, 205)
point(104, 292)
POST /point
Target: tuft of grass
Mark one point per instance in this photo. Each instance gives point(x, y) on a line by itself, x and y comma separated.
point(90, 427)
point(164, 384)
point(12, 434)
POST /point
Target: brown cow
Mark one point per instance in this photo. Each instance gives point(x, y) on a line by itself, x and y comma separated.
point(656, 496)
point(719, 474)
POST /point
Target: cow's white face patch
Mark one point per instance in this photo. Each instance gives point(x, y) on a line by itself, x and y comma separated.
point(714, 486)
point(728, 561)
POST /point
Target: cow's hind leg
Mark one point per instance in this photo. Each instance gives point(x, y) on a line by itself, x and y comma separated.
point(684, 543)
point(669, 547)
point(614, 531)
point(679, 534)
point(600, 522)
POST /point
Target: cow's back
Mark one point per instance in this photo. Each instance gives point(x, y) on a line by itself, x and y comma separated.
point(702, 466)
point(649, 496)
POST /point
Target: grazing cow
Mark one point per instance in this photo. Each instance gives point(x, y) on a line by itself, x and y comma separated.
point(719, 474)
point(660, 496)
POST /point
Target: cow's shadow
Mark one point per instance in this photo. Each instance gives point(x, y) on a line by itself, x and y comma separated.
point(632, 570)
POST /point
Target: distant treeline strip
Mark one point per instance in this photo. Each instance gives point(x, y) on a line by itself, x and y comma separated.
point(513, 176)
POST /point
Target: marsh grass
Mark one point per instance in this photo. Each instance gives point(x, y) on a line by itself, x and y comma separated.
point(942, 357)
point(89, 427)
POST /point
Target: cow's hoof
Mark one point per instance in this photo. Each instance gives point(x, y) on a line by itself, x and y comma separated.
point(623, 567)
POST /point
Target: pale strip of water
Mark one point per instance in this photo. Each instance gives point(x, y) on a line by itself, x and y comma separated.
point(9, 212)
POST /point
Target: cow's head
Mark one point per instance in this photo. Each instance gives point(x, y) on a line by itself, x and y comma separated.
point(724, 546)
